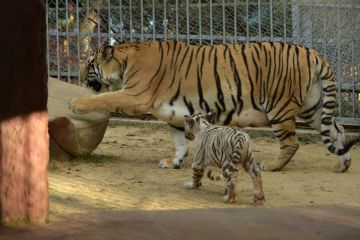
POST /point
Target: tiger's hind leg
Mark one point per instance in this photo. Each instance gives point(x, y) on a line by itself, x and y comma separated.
point(180, 144)
point(284, 131)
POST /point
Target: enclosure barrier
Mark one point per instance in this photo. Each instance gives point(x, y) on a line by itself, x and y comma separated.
point(77, 27)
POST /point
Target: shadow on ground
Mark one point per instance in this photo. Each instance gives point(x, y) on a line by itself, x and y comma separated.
point(326, 222)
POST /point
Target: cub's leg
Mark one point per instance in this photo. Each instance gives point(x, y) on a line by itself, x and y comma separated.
point(255, 175)
point(180, 144)
point(230, 174)
point(284, 131)
point(122, 101)
point(198, 173)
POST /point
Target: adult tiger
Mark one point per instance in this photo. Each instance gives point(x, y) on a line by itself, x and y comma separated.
point(251, 84)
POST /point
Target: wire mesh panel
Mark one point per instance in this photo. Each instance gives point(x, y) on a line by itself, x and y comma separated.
point(77, 27)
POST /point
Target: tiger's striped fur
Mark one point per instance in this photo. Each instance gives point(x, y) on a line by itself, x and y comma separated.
point(251, 84)
point(224, 147)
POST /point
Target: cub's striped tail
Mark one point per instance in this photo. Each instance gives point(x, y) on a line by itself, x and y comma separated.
point(333, 134)
point(214, 178)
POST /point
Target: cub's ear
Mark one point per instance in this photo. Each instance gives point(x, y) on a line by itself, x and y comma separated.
point(210, 117)
point(107, 53)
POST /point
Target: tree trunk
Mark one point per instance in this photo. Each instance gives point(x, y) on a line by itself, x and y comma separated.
point(24, 140)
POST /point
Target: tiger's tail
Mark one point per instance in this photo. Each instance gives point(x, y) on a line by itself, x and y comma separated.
point(327, 116)
point(214, 178)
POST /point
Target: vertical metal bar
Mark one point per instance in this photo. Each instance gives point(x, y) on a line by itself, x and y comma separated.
point(325, 31)
point(57, 39)
point(187, 23)
point(200, 26)
point(211, 23)
point(153, 17)
point(235, 22)
point(98, 23)
point(338, 57)
point(353, 57)
point(271, 21)
point(109, 22)
point(47, 38)
point(142, 19)
point(165, 21)
point(223, 18)
point(259, 17)
point(78, 40)
point(247, 21)
point(297, 22)
point(177, 19)
point(88, 28)
point(311, 27)
point(121, 21)
point(67, 39)
point(285, 19)
point(130, 19)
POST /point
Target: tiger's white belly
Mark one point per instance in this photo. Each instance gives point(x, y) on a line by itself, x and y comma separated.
point(174, 115)
point(251, 118)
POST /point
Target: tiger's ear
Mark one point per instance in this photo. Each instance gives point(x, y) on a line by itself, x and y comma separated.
point(107, 53)
point(210, 117)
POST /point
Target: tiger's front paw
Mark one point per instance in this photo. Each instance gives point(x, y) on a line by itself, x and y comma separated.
point(270, 166)
point(170, 163)
point(166, 163)
point(79, 105)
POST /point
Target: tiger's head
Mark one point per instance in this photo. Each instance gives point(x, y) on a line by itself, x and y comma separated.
point(102, 69)
point(194, 122)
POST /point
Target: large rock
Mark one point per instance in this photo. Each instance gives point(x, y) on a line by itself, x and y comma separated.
point(72, 135)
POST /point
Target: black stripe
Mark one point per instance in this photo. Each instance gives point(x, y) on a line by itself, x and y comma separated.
point(156, 73)
point(229, 117)
point(189, 65)
point(189, 106)
point(249, 78)
point(184, 57)
point(220, 94)
point(173, 53)
point(200, 92)
point(237, 82)
point(176, 94)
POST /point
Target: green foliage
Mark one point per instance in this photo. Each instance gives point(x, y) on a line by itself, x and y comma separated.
point(346, 107)
point(94, 158)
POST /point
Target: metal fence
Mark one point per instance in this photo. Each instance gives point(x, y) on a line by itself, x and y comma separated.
point(76, 27)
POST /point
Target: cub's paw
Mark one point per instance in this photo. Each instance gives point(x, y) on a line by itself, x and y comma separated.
point(229, 198)
point(259, 198)
point(191, 185)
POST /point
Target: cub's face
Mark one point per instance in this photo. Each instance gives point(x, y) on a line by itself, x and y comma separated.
point(197, 121)
point(95, 74)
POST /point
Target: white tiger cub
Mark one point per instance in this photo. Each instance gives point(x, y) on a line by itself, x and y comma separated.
point(223, 147)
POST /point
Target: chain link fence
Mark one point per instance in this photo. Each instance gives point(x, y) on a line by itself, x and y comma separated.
point(77, 27)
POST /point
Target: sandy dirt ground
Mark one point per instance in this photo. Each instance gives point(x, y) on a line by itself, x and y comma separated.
point(123, 174)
